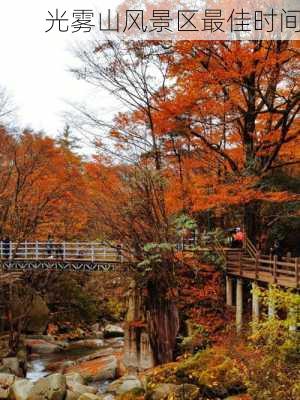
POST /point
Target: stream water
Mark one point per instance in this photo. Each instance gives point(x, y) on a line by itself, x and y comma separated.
point(38, 364)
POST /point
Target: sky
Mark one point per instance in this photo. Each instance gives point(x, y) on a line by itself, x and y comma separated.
point(34, 64)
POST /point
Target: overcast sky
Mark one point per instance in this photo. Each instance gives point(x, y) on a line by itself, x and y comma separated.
point(34, 64)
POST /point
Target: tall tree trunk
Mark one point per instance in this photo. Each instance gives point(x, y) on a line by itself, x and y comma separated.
point(252, 221)
point(163, 323)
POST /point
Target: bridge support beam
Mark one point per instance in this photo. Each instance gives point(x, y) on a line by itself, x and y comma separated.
point(255, 303)
point(271, 306)
point(229, 301)
point(239, 305)
point(293, 316)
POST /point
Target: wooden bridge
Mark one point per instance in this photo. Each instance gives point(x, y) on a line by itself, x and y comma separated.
point(74, 256)
point(248, 263)
point(245, 263)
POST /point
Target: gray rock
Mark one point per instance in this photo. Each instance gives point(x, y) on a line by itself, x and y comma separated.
point(188, 391)
point(74, 377)
point(116, 342)
point(6, 380)
point(20, 389)
point(51, 388)
point(105, 370)
point(11, 365)
point(81, 389)
point(109, 370)
point(98, 335)
point(124, 384)
point(42, 347)
point(88, 343)
point(89, 396)
point(97, 354)
point(107, 397)
point(95, 327)
point(72, 395)
point(4, 393)
point(113, 331)
point(161, 391)
point(47, 338)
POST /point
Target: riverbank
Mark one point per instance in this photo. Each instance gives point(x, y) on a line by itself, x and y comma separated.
point(92, 362)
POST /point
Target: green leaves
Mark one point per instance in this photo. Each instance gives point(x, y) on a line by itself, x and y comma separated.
point(184, 222)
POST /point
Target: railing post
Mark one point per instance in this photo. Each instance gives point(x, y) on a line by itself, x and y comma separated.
point(288, 256)
point(240, 263)
point(239, 305)
point(275, 269)
point(297, 272)
point(271, 305)
point(229, 301)
point(255, 303)
point(64, 250)
point(93, 252)
point(26, 249)
point(1, 249)
point(10, 250)
point(257, 258)
point(36, 250)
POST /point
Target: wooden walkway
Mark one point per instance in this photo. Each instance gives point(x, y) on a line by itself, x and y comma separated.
point(60, 256)
point(284, 272)
point(96, 256)
point(60, 251)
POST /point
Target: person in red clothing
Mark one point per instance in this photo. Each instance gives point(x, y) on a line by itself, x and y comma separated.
point(238, 238)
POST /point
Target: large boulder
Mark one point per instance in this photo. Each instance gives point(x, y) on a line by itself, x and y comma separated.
point(178, 392)
point(96, 327)
point(71, 395)
point(6, 380)
point(12, 365)
point(89, 396)
point(124, 384)
point(38, 316)
point(74, 377)
point(79, 388)
point(187, 391)
point(116, 343)
point(113, 331)
point(97, 369)
point(87, 343)
point(51, 388)
point(162, 391)
point(20, 389)
point(4, 393)
point(107, 397)
point(41, 346)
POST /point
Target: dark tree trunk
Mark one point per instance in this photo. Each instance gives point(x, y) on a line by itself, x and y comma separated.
point(163, 323)
point(252, 221)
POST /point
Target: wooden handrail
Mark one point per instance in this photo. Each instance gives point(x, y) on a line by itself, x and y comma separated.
point(270, 270)
point(250, 248)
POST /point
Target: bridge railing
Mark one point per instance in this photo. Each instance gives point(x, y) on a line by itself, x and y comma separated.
point(271, 269)
point(69, 251)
